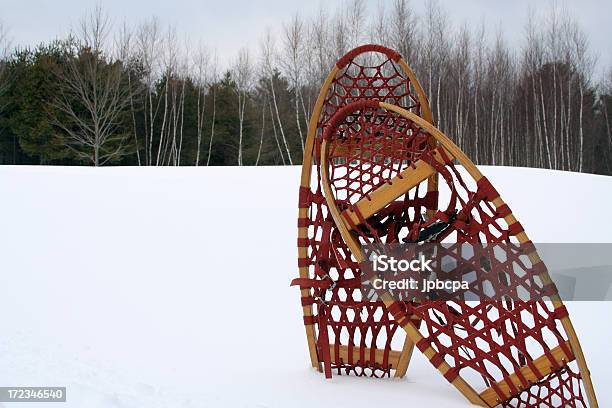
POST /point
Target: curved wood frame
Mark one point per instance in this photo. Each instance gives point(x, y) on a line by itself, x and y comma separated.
point(305, 180)
point(485, 398)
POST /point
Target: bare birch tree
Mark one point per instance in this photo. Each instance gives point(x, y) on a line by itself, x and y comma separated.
point(148, 48)
point(403, 33)
point(179, 109)
point(317, 56)
point(435, 54)
point(355, 23)
point(268, 55)
point(379, 26)
point(478, 67)
point(124, 49)
point(242, 73)
point(320, 39)
point(212, 87)
point(584, 65)
point(261, 135)
point(201, 62)
point(169, 68)
point(293, 66)
point(606, 108)
point(93, 96)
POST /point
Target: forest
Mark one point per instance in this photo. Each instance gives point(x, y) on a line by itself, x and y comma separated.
point(117, 94)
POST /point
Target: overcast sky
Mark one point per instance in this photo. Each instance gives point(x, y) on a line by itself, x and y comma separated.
point(229, 25)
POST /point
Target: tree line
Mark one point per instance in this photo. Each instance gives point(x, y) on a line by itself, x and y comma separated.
point(122, 95)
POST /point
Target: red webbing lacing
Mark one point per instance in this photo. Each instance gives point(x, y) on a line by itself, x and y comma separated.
point(492, 339)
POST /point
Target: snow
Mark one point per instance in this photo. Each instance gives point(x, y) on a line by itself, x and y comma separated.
point(169, 287)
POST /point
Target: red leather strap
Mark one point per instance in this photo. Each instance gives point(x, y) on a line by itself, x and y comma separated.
point(500, 394)
point(437, 360)
point(305, 283)
point(349, 56)
point(307, 300)
point(515, 229)
point(486, 189)
point(309, 320)
point(503, 210)
point(304, 197)
point(423, 344)
point(451, 375)
point(561, 312)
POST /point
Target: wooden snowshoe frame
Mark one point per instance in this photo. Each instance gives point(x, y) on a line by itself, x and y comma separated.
point(360, 344)
point(508, 353)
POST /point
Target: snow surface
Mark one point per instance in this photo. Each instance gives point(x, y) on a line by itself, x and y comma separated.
point(169, 287)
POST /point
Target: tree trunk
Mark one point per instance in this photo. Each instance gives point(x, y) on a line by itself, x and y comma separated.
point(212, 126)
point(263, 124)
point(280, 124)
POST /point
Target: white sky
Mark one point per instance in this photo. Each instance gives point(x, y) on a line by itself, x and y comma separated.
point(229, 25)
